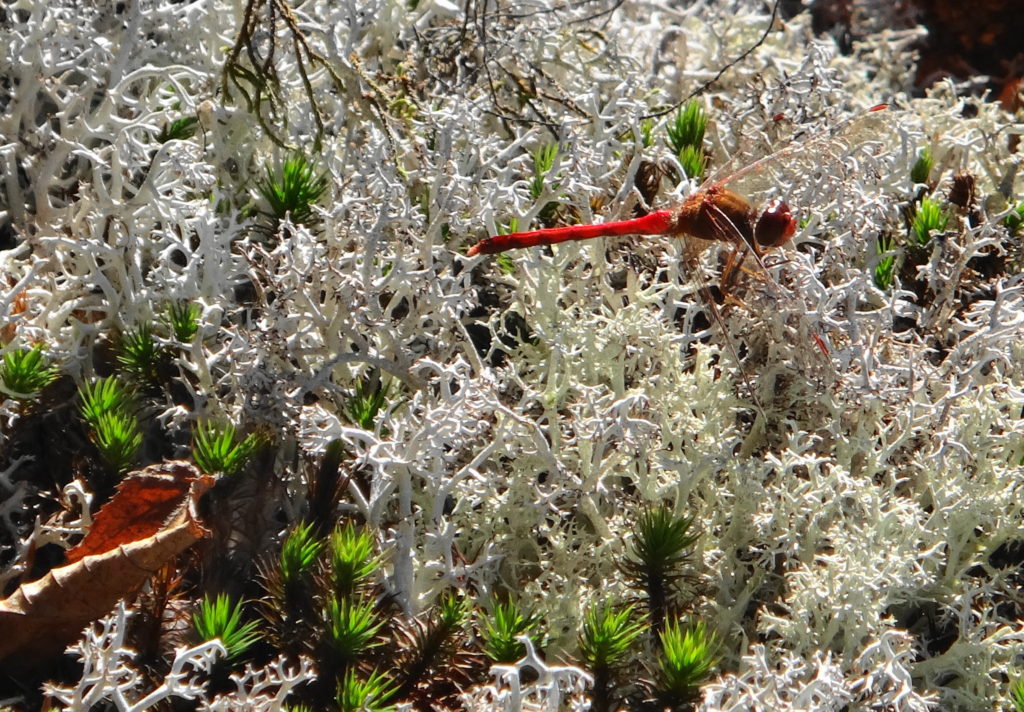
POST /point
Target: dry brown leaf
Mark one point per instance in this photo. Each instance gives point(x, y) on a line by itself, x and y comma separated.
point(142, 505)
point(42, 617)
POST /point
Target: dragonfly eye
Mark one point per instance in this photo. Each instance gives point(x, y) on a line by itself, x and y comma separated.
point(775, 226)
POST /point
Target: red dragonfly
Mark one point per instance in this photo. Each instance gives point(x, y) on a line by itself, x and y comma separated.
point(712, 213)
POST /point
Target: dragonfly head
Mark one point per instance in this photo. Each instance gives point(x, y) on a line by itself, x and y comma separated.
point(775, 226)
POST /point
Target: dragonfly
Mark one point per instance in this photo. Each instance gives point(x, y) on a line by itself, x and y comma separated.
point(713, 213)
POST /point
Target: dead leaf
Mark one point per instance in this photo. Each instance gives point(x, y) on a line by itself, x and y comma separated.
point(42, 617)
point(143, 503)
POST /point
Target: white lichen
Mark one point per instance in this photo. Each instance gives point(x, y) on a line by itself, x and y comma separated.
point(861, 507)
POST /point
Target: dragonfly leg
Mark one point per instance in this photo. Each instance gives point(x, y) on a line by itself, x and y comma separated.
point(733, 266)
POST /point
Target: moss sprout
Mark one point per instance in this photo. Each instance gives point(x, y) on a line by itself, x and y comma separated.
point(543, 161)
point(111, 412)
point(922, 167)
point(605, 640)
point(24, 372)
point(217, 449)
point(688, 654)
point(885, 268)
point(352, 559)
point(369, 694)
point(183, 320)
point(140, 355)
point(929, 218)
point(686, 138)
point(221, 618)
point(180, 129)
point(352, 624)
point(369, 398)
point(293, 190)
point(299, 554)
point(1017, 693)
point(502, 627)
point(660, 554)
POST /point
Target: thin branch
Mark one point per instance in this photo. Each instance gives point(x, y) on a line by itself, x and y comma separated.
point(707, 85)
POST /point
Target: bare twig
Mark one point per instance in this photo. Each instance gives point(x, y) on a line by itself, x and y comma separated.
point(707, 85)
